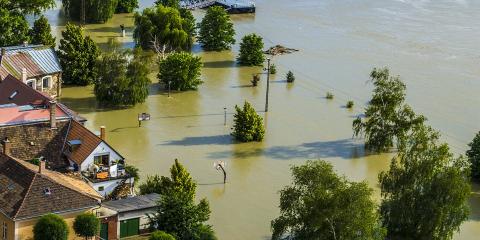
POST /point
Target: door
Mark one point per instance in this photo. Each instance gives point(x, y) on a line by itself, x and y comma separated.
point(104, 231)
point(129, 227)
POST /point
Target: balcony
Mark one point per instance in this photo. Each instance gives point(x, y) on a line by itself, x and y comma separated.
point(103, 173)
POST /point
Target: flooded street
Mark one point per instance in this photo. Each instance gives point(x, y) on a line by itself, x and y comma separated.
point(432, 45)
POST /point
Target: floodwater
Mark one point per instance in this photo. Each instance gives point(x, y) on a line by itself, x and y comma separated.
point(433, 45)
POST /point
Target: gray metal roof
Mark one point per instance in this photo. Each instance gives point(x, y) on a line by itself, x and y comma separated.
point(46, 59)
point(133, 203)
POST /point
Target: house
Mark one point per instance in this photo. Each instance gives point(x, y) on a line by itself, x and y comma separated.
point(28, 192)
point(35, 65)
point(41, 128)
point(126, 217)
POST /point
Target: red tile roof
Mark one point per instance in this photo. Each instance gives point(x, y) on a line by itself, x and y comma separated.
point(89, 140)
point(25, 94)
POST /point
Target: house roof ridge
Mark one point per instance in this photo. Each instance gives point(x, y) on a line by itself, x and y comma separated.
point(28, 190)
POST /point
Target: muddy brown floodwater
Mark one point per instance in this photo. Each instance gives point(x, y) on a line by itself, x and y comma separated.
point(433, 45)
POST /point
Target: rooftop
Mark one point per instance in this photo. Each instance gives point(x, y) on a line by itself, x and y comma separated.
point(14, 115)
point(133, 203)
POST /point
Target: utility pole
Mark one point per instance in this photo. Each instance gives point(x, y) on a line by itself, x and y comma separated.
point(268, 84)
point(169, 82)
point(224, 116)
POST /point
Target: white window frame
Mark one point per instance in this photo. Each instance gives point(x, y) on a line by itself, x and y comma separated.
point(34, 83)
point(49, 82)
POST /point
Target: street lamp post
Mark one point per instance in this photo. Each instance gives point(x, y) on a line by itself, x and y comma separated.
point(268, 84)
point(224, 116)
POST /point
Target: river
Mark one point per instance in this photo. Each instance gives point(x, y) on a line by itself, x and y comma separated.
point(432, 45)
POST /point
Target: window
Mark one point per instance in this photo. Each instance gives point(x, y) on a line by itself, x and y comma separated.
point(102, 159)
point(4, 232)
point(46, 82)
point(32, 83)
point(101, 188)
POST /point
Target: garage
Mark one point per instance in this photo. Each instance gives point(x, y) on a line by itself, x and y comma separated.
point(129, 227)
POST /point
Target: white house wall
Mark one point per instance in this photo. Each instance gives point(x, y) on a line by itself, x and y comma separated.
point(108, 186)
point(100, 149)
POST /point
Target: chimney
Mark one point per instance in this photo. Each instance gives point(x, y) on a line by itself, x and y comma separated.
point(41, 166)
point(6, 146)
point(24, 75)
point(25, 43)
point(4, 52)
point(102, 133)
point(53, 119)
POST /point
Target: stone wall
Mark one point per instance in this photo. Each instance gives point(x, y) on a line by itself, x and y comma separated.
point(53, 91)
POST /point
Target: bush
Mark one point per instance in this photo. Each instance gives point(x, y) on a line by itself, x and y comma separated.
point(290, 77)
point(86, 225)
point(350, 104)
point(97, 11)
point(161, 235)
point(216, 30)
point(248, 125)
point(126, 6)
point(251, 50)
point(35, 161)
point(273, 69)
point(41, 33)
point(182, 70)
point(50, 226)
point(473, 155)
point(78, 56)
point(329, 95)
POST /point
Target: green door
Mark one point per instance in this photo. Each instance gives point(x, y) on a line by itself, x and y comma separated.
point(104, 231)
point(129, 227)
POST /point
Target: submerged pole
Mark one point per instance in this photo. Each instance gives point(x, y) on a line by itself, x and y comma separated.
point(268, 84)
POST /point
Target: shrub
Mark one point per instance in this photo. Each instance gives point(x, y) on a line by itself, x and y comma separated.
point(50, 226)
point(350, 104)
point(182, 70)
point(290, 77)
point(251, 53)
point(161, 235)
point(273, 69)
point(255, 80)
point(329, 95)
point(216, 30)
point(86, 225)
point(248, 125)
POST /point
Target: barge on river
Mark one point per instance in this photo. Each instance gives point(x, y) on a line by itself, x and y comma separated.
point(232, 6)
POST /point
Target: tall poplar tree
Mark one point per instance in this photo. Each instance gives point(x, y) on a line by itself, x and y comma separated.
point(41, 33)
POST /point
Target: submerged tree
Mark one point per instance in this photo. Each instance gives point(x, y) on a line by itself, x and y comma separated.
point(177, 212)
point(248, 125)
point(251, 50)
point(473, 155)
point(216, 30)
point(425, 191)
point(387, 117)
point(121, 81)
point(322, 205)
point(78, 55)
point(161, 28)
point(96, 11)
point(181, 70)
point(169, 3)
point(41, 33)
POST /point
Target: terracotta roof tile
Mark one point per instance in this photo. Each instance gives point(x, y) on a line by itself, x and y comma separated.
point(89, 142)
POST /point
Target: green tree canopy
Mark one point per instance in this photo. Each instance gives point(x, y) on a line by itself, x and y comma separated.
point(169, 3)
point(160, 235)
point(473, 155)
point(13, 27)
point(177, 212)
point(41, 33)
point(322, 205)
point(121, 81)
point(50, 226)
point(387, 117)
point(126, 6)
point(78, 56)
point(161, 28)
point(216, 30)
point(96, 11)
point(182, 70)
point(251, 50)
point(248, 125)
point(86, 225)
point(27, 6)
point(425, 191)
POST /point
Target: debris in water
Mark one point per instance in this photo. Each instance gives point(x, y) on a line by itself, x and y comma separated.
point(280, 50)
